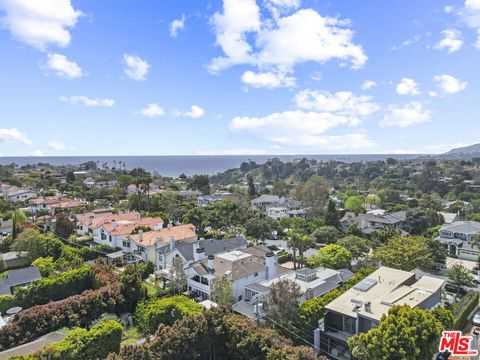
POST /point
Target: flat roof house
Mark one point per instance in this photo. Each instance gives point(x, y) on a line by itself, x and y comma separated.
point(361, 307)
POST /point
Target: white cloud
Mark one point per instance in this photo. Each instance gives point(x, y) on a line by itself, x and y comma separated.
point(368, 84)
point(448, 9)
point(407, 115)
point(450, 84)
point(40, 23)
point(152, 110)
point(87, 101)
point(240, 151)
point(13, 135)
point(407, 87)
point(267, 79)
point(452, 40)
point(56, 145)
point(278, 44)
point(63, 67)
point(135, 67)
point(195, 112)
point(177, 25)
point(342, 102)
point(37, 153)
point(470, 14)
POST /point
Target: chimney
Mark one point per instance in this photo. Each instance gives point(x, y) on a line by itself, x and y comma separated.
point(140, 235)
point(114, 224)
point(211, 260)
point(368, 306)
point(196, 245)
point(271, 264)
point(169, 226)
point(199, 254)
point(90, 220)
point(172, 243)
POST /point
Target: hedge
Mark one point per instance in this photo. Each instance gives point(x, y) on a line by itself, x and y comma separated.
point(462, 309)
point(84, 344)
point(80, 343)
point(77, 310)
point(151, 313)
point(55, 288)
point(7, 302)
point(283, 257)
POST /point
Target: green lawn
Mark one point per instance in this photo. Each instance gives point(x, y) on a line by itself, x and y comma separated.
point(133, 335)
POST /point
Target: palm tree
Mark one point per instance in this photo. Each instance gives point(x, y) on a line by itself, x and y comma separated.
point(300, 241)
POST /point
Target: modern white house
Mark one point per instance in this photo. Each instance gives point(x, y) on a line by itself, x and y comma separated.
point(241, 267)
point(361, 308)
point(458, 239)
point(311, 282)
point(19, 194)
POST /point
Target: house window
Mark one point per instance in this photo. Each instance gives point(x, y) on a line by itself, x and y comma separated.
point(103, 236)
point(126, 244)
point(141, 249)
point(110, 238)
point(204, 281)
point(256, 274)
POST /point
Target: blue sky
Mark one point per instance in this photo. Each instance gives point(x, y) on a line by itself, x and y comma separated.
point(238, 76)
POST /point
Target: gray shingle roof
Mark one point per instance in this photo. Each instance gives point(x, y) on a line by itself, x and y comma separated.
point(19, 277)
point(211, 246)
point(464, 227)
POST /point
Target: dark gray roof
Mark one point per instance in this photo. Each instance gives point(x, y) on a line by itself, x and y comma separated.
point(211, 246)
point(306, 271)
point(19, 277)
point(259, 288)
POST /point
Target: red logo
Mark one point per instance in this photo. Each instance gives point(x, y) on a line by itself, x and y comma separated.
point(457, 344)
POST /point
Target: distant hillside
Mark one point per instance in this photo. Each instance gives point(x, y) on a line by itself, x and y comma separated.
point(467, 150)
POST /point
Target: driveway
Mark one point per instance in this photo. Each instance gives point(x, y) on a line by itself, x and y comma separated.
point(467, 263)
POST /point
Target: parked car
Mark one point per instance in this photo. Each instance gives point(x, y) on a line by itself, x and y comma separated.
point(456, 289)
point(476, 319)
point(476, 279)
point(476, 330)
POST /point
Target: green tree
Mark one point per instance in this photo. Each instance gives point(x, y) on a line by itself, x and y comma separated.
point(63, 226)
point(223, 292)
point(258, 229)
point(354, 203)
point(314, 194)
point(178, 279)
point(357, 246)
point(331, 216)
point(438, 251)
point(46, 265)
point(331, 256)
point(298, 241)
point(251, 186)
point(405, 253)
point(326, 235)
point(459, 276)
point(404, 333)
point(70, 177)
point(38, 245)
point(281, 305)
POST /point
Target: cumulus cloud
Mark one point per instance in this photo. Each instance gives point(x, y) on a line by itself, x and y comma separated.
point(407, 87)
point(176, 26)
point(278, 44)
point(450, 84)
point(406, 115)
point(368, 84)
point(452, 40)
point(343, 102)
point(87, 101)
point(470, 14)
point(195, 112)
point(135, 67)
point(63, 67)
point(37, 153)
point(40, 23)
point(13, 135)
point(267, 79)
point(152, 110)
point(56, 145)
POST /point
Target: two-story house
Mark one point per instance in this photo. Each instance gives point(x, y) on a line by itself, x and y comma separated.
point(373, 221)
point(311, 282)
point(361, 308)
point(89, 223)
point(458, 239)
point(241, 267)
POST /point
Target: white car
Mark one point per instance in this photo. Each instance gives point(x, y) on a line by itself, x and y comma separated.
point(476, 279)
point(476, 319)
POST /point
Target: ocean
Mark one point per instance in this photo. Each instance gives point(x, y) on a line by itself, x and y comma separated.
point(190, 165)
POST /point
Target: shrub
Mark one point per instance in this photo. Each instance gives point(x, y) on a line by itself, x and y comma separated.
point(151, 313)
point(84, 344)
point(462, 309)
point(55, 287)
point(145, 269)
point(7, 302)
point(283, 257)
point(77, 310)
